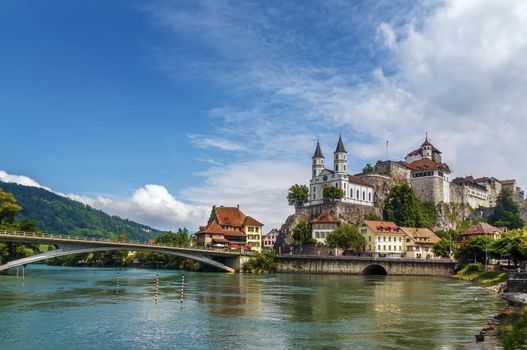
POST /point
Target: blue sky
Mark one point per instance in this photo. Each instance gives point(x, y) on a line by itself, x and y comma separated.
point(157, 110)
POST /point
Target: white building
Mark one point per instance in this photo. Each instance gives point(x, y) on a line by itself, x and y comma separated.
point(322, 225)
point(356, 190)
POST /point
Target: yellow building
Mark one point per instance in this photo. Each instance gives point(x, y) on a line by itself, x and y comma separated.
point(384, 239)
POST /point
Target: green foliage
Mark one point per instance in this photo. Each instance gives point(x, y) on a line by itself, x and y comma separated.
point(301, 233)
point(60, 215)
point(298, 195)
point(264, 262)
point(474, 249)
point(444, 248)
point(8, 208)
point(512, 246)
point(368, 169)
point(346, 236)
point(516, 336)
point(402, 206)
point(507, 212)
point(470, 269)
point(427, 214)
point(372, 215)
point(181, 238)
point(451, 234)
point(332, 193)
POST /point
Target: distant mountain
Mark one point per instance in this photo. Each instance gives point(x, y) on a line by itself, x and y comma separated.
point(61, 215)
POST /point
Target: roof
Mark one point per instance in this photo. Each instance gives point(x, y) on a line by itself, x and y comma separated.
point(383, 226)
point(229, 216)
point(508, 182)
point(357, 180)
point(426, 164)
point(211, 227)
point(324, 218)
point(220, 240)
point(318, 151)
point(426, 142)
point(469, 181)
point(251, 221)
point(421, 235)
point(340, 146)
point(482, 229)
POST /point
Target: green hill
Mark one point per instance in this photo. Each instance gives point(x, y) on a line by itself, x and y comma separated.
point(60, 215)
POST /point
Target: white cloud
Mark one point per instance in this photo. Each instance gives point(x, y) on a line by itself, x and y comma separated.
point(21, 180)
point(385, 31)
point(204, 141)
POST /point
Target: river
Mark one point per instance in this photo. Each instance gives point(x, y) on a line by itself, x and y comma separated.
point(82, 308)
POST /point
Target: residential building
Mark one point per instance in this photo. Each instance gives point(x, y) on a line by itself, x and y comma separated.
point(230, 226)
point(383, 239)
point(419, 242)
point(269, 239)
point(482, 229)
point(322, 225)
point(356, 191)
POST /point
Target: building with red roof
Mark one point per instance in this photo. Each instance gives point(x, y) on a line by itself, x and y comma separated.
point(229, 226)
point(482, 229)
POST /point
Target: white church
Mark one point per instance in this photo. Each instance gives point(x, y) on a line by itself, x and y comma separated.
point(356, 190)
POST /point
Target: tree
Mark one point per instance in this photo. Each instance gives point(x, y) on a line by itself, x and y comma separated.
point(8, 208)
point(346, 236)
point(180, 238)
point(333, 193)
point(475, 249)
point(511, 246)
point(402, 206)
point(368, 169)
point(507, 212)
point(427, 214)
point(301, 232)
point(444, 248)
point(372, 215)
point(298, 195)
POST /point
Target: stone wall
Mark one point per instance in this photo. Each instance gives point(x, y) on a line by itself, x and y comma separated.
point(394, 170)
point(381, 184)
point(428, 188)
point(356, 266)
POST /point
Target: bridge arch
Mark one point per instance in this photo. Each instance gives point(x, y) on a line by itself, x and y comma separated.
point(76, 250)
point(374, 269)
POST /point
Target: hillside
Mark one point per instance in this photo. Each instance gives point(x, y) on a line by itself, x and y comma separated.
point(60, 215)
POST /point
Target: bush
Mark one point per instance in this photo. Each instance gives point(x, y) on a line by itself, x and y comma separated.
point(471, 268)
point(262, 263)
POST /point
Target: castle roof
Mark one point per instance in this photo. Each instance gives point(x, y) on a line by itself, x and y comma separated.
point(426, 164)
point(426, 142)
point(468, 181)
point(340, 146)
point(383, 226)
point(325, 218)
point(318, 151)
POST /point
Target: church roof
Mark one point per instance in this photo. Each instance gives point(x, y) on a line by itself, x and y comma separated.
point(318, 152)
point(357, 180)
point(426, 164)
point(340, 146)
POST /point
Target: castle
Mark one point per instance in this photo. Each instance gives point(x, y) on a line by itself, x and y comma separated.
point(423, 169)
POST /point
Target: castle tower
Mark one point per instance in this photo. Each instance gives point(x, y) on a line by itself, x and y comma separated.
point(340, 158)
point(318, 161)
point(426, 148)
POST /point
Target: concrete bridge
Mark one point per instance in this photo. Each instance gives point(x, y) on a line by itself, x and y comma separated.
point(364, 265)
point(221, 259)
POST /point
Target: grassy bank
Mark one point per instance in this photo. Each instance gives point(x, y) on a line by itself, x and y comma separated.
point(475, 272)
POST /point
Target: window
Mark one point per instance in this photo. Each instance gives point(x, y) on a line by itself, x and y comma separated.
point(384, 238)
point(400, 239)
point(383, 247)
point(379, 247)
point(351, 192)
point(369, 238)
point(344, 167)
point(399, 248)
point(369, 246)
point(363, 195)
point(358, 195)
point(251, 229)
point(389, 239)
point(369, 196)
point(389, 247)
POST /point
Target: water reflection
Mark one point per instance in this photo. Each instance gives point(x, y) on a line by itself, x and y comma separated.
point(79, 308)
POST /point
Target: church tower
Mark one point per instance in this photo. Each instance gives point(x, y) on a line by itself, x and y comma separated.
point(318, 161)
point(340, 158)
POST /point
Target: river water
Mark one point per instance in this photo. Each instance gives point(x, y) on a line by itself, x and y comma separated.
point(82, 308)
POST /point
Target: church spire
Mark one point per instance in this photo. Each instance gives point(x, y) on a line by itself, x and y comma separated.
point(340, 146)
point(318, 151)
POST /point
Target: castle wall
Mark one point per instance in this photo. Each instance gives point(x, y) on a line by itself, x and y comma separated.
point(394, 170)
point(381, 185)
point(429, 188)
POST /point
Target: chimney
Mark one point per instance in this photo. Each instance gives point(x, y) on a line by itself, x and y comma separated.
point(238, 206)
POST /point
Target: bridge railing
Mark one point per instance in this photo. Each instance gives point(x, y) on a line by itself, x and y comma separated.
point(107, 240)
